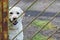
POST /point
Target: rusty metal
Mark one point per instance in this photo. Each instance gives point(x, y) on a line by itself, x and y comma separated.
point(5, 20)
point(0, 19)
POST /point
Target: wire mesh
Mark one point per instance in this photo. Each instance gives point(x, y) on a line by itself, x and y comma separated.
point(46, 24)
point(36, 18)
point(53, 33)
point(24, 11)
point(15, 4)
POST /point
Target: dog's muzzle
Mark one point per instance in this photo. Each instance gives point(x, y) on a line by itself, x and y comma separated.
point(14, 21)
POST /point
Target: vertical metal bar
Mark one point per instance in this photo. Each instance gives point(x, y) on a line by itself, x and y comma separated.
point(0, 19)
point(5, 20)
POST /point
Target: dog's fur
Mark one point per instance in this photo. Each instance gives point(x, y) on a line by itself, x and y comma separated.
point(17, 26)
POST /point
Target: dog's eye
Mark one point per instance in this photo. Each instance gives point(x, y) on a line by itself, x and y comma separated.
point(17, 12)
point(11, 13)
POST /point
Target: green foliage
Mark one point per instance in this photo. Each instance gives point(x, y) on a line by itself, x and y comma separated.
point(41, 37)
point(41, 23)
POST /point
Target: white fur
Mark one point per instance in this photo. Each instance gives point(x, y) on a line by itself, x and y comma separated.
point(18, 27)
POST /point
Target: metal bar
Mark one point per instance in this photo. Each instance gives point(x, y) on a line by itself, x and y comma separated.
point(5, 20)
point(46, 24)
point(35, 18)
point(0, 19)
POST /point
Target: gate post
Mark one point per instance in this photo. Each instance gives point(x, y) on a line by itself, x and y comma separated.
point(4, 19)
point(0, 19)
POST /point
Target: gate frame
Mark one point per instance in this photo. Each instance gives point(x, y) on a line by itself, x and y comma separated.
point(4, 19)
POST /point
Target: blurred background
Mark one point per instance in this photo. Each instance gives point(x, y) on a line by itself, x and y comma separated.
point(36, 9)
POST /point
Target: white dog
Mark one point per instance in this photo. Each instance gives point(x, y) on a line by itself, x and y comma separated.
point(14, 13)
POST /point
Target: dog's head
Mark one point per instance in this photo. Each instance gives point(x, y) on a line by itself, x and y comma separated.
point(14, 13)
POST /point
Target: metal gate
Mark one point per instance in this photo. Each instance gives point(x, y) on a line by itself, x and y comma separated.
point(3, 18)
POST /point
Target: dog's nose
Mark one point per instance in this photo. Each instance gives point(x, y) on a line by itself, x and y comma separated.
point(14, 18)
